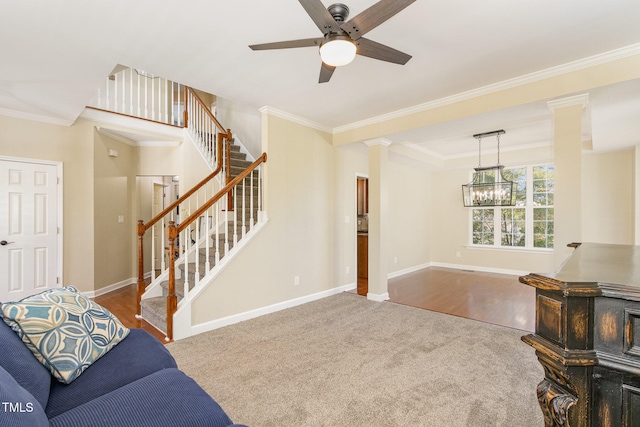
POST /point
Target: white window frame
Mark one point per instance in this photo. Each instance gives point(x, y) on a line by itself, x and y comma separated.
point(497, 228)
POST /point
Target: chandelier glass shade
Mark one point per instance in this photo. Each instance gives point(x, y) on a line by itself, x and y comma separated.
point(488, 188)
point(338, 51)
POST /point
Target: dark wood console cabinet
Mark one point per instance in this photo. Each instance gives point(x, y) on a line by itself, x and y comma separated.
point(587, 338)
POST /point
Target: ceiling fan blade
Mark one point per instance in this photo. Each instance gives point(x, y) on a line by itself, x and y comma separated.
point(370, 18)
point(320, 15)
point(288, 44)
point(379, 51)
point(325, 73)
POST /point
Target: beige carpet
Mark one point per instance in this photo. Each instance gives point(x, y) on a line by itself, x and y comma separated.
point(347, 361)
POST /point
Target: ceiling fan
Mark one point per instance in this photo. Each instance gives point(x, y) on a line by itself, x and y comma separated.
point(342, 39)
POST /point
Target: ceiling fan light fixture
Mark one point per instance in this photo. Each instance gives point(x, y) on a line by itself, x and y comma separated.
point(338, 51)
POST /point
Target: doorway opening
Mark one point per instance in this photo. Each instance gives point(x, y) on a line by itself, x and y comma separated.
point(362, 234)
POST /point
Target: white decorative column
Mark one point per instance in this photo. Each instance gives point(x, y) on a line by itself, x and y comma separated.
point(567, 152)
point(378, 218)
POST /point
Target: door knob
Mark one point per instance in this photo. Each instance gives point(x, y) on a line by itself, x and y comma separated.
point(4, 242)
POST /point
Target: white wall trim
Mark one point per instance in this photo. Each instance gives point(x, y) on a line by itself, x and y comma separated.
point(109, 288)
point(36, 117)
point(378, 297)
point(293, 118)
point(480, 268)
point(559, 70)
point(404, 271)
point(251, 314)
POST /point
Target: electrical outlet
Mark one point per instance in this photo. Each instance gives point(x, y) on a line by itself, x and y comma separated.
point(348, 269)
point(395, 260)
point(296, 280)
point(458, 254)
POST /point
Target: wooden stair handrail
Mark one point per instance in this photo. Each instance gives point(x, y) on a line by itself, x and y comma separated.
point(142, 227)
point(186, 195)
point(173, 231)
point(227, 188)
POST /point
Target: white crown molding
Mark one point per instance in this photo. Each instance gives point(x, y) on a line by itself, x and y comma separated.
point(378, 141)
point(569, 101)
point(36, 117)
point(293, 118)
point(569, 67)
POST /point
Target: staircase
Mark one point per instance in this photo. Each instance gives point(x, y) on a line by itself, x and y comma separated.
point(242, 216)
point(203, 230)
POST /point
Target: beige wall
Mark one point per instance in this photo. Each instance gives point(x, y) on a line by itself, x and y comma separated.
point(349, 162)
point(409, 209)
point(74, 147)
point(114, 192)
point(608, 197)
point(298, 237)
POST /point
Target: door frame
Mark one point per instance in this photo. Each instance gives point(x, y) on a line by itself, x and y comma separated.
point(60, 208)
point(354, 235)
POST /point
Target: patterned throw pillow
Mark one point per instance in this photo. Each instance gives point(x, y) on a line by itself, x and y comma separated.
point(65, 330)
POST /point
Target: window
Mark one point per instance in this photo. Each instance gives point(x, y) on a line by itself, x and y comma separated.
point(527, 224)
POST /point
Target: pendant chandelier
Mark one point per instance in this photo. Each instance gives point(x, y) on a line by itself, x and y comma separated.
point(488, 188)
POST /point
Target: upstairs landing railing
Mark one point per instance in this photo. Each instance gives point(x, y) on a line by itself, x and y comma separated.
point(136, 93)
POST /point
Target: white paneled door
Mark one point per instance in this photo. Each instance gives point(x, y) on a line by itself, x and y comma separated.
point(28, 228)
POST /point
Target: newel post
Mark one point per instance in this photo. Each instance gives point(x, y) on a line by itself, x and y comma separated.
point(141, 283)
point(172, 299)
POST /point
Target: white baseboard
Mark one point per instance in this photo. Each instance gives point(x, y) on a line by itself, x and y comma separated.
point(408, 270)
point(378, 297)
point(114, 287)
point(110, 288)
point(230, 320)
point(482, 269)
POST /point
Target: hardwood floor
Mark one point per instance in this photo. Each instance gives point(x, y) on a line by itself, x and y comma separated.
point(493, 298)
point(122, 304)
point(488, 297)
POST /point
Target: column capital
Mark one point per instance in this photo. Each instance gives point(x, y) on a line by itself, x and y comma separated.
point(378, 141)
point(582, 100)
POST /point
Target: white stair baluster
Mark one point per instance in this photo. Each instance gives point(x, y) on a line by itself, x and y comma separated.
point(251, 201)
point(139, 107)
point(124, 90)
point(131, 91)
point(226, 223)
point(146, 95)
point(244, 197)
point(115, 92)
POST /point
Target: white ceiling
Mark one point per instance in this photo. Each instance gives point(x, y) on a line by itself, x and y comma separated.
point(54, 55)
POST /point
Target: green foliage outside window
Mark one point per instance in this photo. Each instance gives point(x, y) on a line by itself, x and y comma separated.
point(529, 223)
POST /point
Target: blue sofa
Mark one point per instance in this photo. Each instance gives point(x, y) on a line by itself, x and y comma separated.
point(136, 383)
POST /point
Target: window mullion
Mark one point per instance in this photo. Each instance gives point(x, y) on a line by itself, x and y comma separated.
point(497, 227)
point(529, 209)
